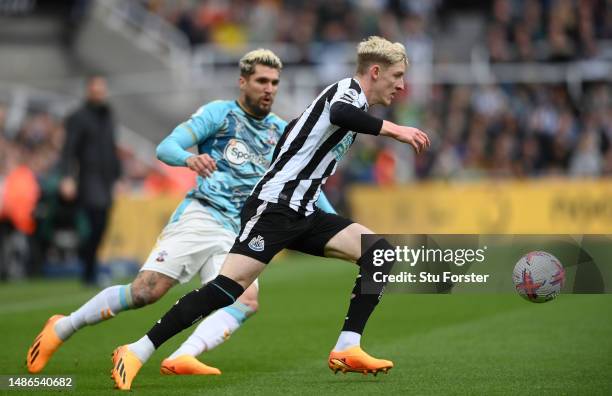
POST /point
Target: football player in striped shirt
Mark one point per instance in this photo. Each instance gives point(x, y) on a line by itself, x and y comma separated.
point(281, 212)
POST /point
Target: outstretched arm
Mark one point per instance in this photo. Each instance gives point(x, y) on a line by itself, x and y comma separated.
point(352, 118)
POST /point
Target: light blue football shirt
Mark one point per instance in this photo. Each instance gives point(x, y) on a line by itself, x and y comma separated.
point(241, 145)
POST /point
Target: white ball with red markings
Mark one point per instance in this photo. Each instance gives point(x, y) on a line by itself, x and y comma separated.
point(538, 276)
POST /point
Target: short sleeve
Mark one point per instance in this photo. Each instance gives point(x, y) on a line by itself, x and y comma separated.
point(348, 92)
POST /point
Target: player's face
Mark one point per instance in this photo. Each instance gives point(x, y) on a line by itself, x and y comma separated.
point(390, 82)
point(259, 90)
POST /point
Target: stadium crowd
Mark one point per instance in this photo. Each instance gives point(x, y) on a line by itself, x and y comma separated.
point(510, 130)
point(523, 30)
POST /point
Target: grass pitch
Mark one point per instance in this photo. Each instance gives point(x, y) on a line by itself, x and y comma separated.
point(441, 344)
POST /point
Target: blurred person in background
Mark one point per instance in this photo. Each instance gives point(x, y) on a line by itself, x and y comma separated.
point(90, 166)
point(19, 193)
point(25, 160)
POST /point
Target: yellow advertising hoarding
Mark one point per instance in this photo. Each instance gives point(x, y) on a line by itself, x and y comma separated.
point(135, 225)
point(538, 207)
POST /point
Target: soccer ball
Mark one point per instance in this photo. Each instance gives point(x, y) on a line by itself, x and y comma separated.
point(538, 276)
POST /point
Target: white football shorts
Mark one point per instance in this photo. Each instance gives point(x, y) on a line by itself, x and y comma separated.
point(193, 242)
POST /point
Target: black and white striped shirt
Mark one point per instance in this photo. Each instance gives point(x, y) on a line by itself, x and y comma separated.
point(309, 150)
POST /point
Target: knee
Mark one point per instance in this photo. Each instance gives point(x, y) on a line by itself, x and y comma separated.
point(149, 286)
point(144, 294)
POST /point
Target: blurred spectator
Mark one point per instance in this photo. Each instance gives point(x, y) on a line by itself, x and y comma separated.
point(20, 191)
point(586, 160)
point(164, 179)
point(385, 168)
point(266, 13)
point(447, 162)
point(2, 119)
point(90, 166)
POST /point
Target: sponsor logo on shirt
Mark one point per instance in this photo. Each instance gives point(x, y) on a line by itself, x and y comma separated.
point(238, 153)
point(342, 147)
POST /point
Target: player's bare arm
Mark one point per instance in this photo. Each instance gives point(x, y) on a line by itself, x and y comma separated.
point(413, 136)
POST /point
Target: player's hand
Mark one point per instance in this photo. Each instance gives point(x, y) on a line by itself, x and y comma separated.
point(68, 189)
point(413, 136)
point(202, 164)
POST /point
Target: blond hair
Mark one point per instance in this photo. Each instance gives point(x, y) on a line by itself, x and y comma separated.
point(259, 56)
point(377, 50)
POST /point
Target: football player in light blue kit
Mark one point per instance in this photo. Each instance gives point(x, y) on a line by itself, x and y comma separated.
point(235, 142)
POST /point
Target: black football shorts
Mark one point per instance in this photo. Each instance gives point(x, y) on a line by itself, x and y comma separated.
point(267, 228)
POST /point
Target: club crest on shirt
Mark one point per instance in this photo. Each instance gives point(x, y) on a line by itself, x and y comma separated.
point(350, 95)
point(272, 134)
point(161, 256)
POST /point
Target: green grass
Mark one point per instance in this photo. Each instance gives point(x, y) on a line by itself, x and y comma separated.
point(441, 344)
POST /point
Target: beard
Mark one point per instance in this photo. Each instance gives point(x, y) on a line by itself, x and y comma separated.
point(253, 105)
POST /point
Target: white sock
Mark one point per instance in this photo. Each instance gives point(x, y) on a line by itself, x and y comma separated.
point(142, 348)
point(104, 305)
point(214, 330)
point(346, 340)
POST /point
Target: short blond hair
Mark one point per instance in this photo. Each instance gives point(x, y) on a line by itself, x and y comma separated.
point(377, 50)
point(259, 56)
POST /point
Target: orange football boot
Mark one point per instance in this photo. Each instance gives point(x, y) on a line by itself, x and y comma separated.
point(125, 367)
point(355, 360)
point(44, 346)
point(187, 365)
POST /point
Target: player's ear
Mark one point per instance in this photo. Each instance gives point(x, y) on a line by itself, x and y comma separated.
point(242, 82)
point(374, 72)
